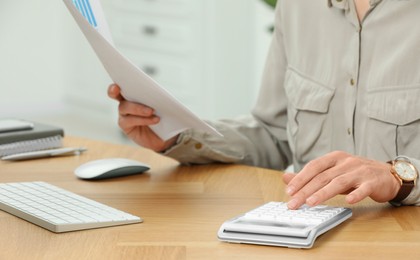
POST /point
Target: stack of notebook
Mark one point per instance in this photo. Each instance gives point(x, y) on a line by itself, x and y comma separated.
point(19, 136)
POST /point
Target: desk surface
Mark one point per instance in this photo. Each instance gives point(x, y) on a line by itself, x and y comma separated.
point(183, 208)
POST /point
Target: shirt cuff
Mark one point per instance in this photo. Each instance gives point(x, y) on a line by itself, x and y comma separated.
point(196, 147)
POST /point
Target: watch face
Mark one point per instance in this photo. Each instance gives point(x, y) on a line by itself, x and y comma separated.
point(405, 170)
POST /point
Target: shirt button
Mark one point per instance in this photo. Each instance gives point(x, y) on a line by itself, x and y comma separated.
point(349, 131)
point(198, 146)
point(352, 81)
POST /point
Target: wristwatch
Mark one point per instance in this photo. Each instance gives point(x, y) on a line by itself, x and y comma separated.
point(406, 174)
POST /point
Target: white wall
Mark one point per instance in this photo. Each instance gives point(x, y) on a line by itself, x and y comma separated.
point(29, 60)
point(36, 63)
point(33, 57)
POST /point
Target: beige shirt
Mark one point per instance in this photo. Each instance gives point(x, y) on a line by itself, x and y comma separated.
point(330, 83)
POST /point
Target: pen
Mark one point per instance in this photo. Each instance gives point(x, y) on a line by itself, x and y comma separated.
point(44, 153)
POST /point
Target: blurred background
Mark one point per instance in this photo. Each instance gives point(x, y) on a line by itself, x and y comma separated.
point(209, 54)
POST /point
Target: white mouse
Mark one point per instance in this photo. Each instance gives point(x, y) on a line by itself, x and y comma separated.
point(109, 168)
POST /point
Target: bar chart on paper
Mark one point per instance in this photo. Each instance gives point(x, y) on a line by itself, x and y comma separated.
point(86, 9)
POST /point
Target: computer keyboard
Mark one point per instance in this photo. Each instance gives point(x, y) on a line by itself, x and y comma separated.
point(58, 210)
point(274, 224)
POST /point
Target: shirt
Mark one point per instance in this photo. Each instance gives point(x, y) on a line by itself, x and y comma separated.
point(330, 83)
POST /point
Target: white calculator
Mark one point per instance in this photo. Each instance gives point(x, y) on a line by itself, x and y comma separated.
point(275, 225)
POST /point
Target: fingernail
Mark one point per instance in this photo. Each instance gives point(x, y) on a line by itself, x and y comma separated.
point(350, 198)
point(312, 201)
point(147, 110)
point(292, 204)
point(290, 190)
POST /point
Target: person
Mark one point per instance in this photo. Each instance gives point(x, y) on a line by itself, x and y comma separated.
point(338, 101)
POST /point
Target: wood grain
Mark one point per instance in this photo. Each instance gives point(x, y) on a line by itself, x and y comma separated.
point(183, 207)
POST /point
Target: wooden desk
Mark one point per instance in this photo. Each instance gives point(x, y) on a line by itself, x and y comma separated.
point(183, 208)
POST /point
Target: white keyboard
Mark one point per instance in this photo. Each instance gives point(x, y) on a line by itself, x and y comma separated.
point(58, 210)
point(274, 224)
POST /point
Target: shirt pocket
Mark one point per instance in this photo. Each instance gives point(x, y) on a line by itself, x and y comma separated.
point(394, 122)
point(309, 125)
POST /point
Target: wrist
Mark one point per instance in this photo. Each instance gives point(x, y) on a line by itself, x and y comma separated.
point(406, 175)
point(396, 184)
point(171, 143)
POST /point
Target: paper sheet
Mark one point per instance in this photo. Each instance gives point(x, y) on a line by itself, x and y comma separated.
point(136, 85)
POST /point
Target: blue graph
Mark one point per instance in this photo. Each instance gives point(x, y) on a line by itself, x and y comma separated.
point(86, 10)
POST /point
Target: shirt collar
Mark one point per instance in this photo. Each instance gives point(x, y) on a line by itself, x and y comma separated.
point(344, 4)
point(341, 4)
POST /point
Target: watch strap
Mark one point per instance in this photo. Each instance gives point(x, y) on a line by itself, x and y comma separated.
point(406, 186)
point(404, 191)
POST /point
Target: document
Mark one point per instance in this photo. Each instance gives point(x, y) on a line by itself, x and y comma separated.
point(135, 84)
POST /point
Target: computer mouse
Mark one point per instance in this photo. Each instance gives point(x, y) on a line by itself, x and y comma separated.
point(110, 168)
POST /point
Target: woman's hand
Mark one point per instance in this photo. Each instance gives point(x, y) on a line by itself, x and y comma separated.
point(134, 119)
point(341, 173)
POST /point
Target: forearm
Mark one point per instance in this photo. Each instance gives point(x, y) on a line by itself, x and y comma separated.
point(245, 141)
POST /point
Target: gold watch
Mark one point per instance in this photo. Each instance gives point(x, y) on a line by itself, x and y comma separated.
point(406, 174)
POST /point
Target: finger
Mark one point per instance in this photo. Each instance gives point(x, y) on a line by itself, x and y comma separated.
point(287, 177)
point(295, 203)
point(114, 92)
point(128, 123)
point(338, 185)
point(320, 188)
point(312, 169)
point(365, 190)
point(134, 109)
point(323, 179)
point(357, 195)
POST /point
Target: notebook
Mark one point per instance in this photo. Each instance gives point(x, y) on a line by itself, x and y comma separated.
point(36, 137)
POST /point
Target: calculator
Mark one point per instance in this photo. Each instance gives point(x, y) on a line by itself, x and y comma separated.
point(274, 224)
